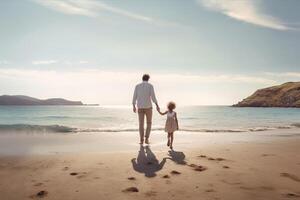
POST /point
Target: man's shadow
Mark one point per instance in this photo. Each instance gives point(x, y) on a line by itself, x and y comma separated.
point(146, 162)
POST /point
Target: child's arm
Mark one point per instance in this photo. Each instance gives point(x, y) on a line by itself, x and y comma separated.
point(176, 121)
point(162, 113)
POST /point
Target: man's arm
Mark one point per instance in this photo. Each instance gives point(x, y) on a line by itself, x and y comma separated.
point(162, 113)
point(153, 97)
point(134, 99)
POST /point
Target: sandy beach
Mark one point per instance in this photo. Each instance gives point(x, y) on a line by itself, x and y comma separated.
point(202, 166)
point(210, 88)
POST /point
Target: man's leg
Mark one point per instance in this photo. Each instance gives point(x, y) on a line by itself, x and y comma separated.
point(149, 123)
point(141, 114)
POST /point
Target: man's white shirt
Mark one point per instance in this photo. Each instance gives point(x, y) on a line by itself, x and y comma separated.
point(143, 94)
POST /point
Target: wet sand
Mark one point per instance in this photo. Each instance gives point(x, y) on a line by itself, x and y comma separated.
point(237, 169)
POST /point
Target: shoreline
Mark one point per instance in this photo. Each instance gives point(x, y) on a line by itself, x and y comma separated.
point(44, 143)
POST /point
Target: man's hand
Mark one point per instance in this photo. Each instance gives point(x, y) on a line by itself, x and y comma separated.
point(134, 109)
point(157, 108)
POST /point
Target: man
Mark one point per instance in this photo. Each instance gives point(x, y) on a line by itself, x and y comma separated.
point(143, 94)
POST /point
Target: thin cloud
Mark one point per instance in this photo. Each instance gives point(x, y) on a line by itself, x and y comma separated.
point(245, 10)
point(89, 8)
point(95, 75)
point(44, 62)
point(65, 62)
point(284, 74)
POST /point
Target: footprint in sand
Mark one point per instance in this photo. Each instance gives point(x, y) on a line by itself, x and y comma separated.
point(292, 195)
point(174, 172)
point(217, 159)
point(79, 175)
point(131, 178)
point(130, 189)
point(211, 158)
point(198, 168)
point(42, 194)
point(166, 176)
point(226, 167)
point(265, 155)
point(290, 176)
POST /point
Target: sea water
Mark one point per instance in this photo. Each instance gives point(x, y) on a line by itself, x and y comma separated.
point(97, 119)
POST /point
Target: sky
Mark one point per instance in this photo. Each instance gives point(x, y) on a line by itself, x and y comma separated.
point(197, 52)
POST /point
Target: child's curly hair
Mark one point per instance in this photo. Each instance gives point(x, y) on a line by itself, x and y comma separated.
point(171, 105)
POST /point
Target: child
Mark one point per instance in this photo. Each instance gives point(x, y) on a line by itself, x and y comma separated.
point(171, 123)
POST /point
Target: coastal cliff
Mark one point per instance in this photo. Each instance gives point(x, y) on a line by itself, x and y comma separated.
point(285, 95)
point(21, 100)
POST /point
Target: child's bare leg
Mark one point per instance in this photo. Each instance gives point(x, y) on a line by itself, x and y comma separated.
point(172, 138)
point(168, 144)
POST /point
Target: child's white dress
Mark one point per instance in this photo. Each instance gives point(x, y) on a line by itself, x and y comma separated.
point(171, 124)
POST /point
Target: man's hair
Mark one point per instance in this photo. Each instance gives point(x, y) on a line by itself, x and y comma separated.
point(146, 77)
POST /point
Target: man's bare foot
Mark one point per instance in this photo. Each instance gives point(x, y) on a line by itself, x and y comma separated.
point(147, 141)
point(168, 144)
point(142, 142)
point(171, 147)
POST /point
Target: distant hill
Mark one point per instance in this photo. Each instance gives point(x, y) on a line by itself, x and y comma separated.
point(30, 101)
point(285, 95)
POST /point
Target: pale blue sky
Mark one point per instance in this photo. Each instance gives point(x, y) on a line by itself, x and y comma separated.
point(239, 44)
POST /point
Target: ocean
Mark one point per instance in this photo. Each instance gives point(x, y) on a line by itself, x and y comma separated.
point(97, 119)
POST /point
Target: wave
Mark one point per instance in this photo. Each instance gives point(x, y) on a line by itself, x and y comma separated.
point(112, 130)
point(28, 128)
point(72, 117)
point(56, 117)
point(296, 125)
point(36, 128)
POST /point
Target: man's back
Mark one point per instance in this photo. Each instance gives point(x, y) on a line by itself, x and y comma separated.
point(143, 94)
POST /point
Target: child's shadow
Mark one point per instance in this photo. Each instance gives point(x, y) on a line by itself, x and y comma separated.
point(146, 162)
point(178, 157)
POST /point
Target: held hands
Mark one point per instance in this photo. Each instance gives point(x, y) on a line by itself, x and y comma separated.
point(158, 108)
